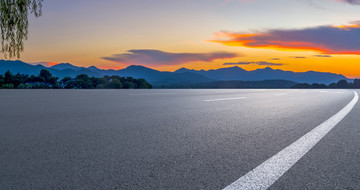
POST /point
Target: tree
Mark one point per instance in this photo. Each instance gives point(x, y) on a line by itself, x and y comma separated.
point(342, 84)
point(115, 83)
point(357, 83)
point(8, 77)
point(333, 85)
point(83, 81)
point(14, 24)
point(317, 85)
point(301, 85)
point(128, 85)
point(66, 79)
point(82, 77)
point(45, 74)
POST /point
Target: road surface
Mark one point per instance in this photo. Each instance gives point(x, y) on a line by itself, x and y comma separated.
point(175, 139)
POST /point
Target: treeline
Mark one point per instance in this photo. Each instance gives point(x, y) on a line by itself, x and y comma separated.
point(45, 80)
point(231, 84)
point(340, 84)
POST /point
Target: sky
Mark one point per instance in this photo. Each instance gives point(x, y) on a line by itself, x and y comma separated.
point(294, 35)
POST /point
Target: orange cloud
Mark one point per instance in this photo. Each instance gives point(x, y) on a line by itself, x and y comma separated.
point(157, 57)
point(349, 26)
point(324, 39)
point(52, 63)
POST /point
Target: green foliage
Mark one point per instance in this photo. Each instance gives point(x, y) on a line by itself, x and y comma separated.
point(110, 82)
point(45, 74)
point(7, 86)
point(100, 86)
point(115, 83)
point(24, 86)
point(21, 81)
point(83, 81)
point(14, 24)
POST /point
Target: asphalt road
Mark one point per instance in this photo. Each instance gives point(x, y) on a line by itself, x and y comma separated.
point(172, 139)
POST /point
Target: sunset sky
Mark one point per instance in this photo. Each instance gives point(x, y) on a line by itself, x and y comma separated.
point(295, 35)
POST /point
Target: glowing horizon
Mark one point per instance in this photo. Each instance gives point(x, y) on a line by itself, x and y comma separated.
point(206, 34)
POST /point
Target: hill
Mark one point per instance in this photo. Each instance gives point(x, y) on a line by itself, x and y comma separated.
point(180, 78)
point(237, 73)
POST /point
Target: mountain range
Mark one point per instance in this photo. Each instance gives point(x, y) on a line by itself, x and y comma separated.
point(182, 76)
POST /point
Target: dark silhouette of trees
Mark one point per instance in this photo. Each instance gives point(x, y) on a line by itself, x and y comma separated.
point(112, 82)
point(317, 85)
point(115, 83)
point(357, 83)
point(14, 24)
point(302, 85)
point(82, 81)
point(45, 74)
point(340, 84)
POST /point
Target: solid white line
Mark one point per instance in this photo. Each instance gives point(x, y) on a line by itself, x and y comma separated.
point(224, 99)
point(263, 176)
point(147, 94)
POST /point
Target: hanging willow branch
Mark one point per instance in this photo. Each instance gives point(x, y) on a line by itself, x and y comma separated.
point(14, 24)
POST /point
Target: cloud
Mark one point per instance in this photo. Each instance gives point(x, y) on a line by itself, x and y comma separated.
point(352, 2)
point(275, 59)
point(323, 39)
point(299, 57)
point(262, 63)
point(157, 57)
point(44, 63)
point(322, 55)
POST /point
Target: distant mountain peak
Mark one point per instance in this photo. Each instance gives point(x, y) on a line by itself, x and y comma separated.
point(136, 66)
point(182, 70)
point(62, 66)
point(182, 75)
point(68, 64)
point(12, 61)
point(235, 68)
point(93, 67)
point(268, 69)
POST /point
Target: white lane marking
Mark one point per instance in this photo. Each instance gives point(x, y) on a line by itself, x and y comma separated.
point(225, 99)
point(283, 94)
point(322, 91)
point(151, 94)
point(263, 176)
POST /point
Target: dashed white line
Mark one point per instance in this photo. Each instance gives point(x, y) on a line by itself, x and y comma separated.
point(225, 99)
point(263, 176)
